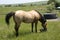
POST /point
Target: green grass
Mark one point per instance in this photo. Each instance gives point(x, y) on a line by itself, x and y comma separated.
point(5, 10)
point(8, 33)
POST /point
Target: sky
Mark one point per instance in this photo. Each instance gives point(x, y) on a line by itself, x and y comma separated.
point(17, 1)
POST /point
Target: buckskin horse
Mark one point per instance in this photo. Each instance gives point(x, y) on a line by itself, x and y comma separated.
point(32, 17)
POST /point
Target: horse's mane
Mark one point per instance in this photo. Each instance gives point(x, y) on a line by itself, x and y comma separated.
point(42, 17)
point(39, 13)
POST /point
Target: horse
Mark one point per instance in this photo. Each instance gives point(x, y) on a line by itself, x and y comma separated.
point(32, 17)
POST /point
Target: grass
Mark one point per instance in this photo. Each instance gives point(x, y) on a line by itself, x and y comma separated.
point(8, 33)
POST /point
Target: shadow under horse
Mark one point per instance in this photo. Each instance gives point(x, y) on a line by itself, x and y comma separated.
point(32, 17)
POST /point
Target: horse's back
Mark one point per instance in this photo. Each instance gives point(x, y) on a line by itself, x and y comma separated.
point(21, 13)
point(35, 14)
point(23, 16)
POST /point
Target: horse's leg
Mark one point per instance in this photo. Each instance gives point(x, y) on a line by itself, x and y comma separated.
point(16, 28)
point(36, 26)
point(32, 27)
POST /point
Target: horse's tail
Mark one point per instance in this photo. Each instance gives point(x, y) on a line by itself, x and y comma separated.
point(8, 16)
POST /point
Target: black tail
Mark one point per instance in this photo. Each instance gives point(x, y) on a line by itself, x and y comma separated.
point(8, 16)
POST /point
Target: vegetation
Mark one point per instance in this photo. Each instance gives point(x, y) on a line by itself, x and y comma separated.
point(56, 2)
point(8, 32)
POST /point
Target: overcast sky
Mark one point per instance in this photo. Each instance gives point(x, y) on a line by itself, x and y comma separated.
point(17, 1)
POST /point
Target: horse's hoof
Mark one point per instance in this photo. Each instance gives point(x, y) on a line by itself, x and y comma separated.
point(43, 30)
point(16, 35)
point(35, 31)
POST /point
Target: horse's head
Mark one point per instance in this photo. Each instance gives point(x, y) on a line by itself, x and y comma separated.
point(44, 23)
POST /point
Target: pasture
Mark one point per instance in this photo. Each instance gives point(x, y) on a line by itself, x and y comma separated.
point(8, 32)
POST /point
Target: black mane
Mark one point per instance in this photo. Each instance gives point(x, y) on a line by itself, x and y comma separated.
point(43, 20)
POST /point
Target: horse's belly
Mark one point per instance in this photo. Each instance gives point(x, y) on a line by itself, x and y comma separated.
point(28, 21)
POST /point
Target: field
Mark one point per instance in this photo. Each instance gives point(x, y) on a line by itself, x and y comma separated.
point(8, 33)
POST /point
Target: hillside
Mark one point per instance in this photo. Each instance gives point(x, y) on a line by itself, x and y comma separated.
point(34, 3)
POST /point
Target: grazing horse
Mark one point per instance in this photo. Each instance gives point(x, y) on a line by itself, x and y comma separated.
point(32, 17)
